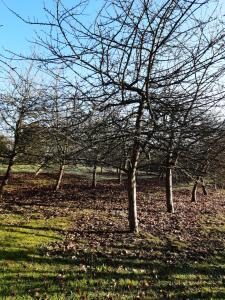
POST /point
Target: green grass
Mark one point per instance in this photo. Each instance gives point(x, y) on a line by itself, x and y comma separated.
point(19, 168)
point(23, 268)
point(37, 260)
point(87, 172)
point(77, 170)
point(28, 271)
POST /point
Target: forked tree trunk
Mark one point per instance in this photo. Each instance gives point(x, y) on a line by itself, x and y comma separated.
point(194, 192)
point(169, 190)
point(60, 175)
point(94, 173)
point(7, 174)
point(132, 201)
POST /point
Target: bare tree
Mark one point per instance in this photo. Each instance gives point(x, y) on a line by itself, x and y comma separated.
point(130, 54)
point(19, 106)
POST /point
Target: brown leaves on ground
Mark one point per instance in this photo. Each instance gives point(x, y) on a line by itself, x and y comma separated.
point(100, 218)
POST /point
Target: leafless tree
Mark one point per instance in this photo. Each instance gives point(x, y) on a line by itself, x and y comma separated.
point(20, 103)
point(130, 54)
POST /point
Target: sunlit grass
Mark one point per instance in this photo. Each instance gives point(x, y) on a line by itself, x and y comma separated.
point(19, 168)
point(31, 266)
point(28, 272)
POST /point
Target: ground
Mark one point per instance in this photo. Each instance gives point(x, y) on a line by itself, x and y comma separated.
point(75, 244)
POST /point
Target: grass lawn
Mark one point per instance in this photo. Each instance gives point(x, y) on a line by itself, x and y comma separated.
point(74, 244)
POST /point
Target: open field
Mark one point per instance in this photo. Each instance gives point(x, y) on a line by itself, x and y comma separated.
point(75, 244)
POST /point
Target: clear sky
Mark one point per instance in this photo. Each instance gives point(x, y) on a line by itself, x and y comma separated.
point(14, 34)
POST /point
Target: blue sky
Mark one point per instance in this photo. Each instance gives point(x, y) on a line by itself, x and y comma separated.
point(14, 34)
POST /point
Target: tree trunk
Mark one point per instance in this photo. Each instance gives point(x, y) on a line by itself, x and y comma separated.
point(120, 176)
point(215, 185)
point(204, 190)
point(59, 179)
point(194, 192)
point(7, 174)
point(169, 190)
point(215, 181)
point(137, 176)
point(161, 176)
point(39, 170)
point(94, 176)
point(132, 201)
point(132, 168)
point(175, 178)
point(13, 154)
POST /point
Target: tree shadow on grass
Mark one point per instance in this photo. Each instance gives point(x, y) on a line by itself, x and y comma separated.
point(88, 271)
point(122, 265)
point(12, 228)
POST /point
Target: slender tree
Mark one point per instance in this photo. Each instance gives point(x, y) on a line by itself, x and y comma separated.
point(20, 103)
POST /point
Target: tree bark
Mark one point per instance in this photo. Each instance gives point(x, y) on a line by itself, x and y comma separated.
point(169, 190)
point(204, 190)
point(132, 169)
point(194, 192)
point(7, 174)
point(215, 181)
point(13, 154)
point(60, 175)
point(94, 176)
point(161, 176)
point(132, 201)
point(120, 176)
point(39, 170)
